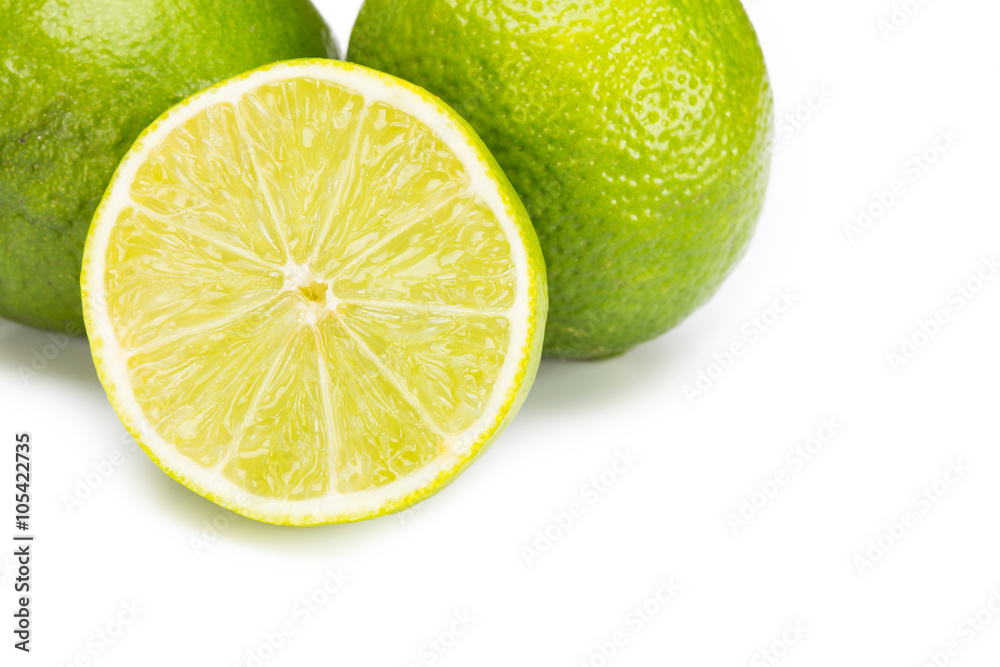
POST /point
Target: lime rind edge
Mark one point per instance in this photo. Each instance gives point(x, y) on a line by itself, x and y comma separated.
point(533, 295)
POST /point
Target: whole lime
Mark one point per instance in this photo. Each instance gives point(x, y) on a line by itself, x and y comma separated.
point(636, 132)
point(79, 79)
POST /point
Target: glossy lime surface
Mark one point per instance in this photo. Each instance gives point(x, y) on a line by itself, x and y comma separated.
point(635, 131)
point(79, 79)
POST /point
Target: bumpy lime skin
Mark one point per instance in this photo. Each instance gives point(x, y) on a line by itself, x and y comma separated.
point(79, 79)
point(637, 133)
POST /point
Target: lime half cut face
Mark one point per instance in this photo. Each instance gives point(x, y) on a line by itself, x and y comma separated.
point(311, 294)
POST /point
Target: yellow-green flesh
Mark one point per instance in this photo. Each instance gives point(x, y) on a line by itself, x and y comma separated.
point(79, 80)
point(308, 294)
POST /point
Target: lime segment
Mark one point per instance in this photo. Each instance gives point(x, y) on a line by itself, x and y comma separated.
point(312, 295)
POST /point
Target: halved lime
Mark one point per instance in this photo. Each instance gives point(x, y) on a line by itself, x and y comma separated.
point(311, 294)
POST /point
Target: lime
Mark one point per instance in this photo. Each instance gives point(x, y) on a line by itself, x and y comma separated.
point(79, 79)
point(635, 131)
point(311, 294)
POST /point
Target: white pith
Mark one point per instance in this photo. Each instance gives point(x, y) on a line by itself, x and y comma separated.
point(333, 506)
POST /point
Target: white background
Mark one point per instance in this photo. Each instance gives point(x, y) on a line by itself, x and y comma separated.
point(208, 596)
